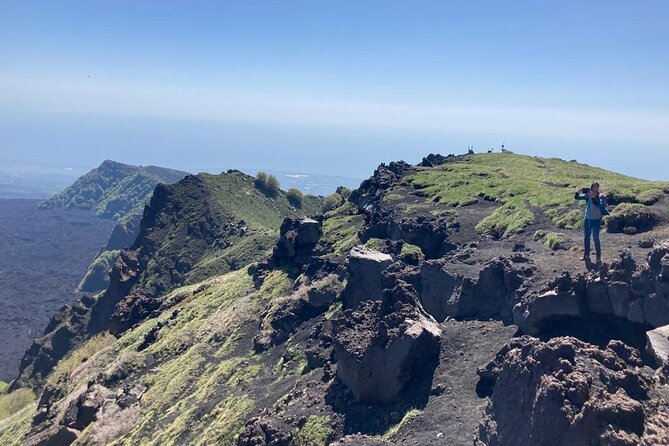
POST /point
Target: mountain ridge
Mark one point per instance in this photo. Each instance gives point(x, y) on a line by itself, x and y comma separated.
point(393, 318)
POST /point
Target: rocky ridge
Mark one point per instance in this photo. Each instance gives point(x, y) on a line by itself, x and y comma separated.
point(395, 318)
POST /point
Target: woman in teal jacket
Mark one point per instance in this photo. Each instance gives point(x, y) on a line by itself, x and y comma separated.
point(595, 209)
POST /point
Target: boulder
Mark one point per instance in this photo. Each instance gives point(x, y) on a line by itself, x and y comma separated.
point(658, 344)
point(384, 347)
point(83, 411)
point(365, 279)
point(308, 232)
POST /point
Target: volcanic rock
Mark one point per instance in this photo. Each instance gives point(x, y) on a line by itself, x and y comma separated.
point(365, 279)
point(384, 346)
point(658, 344)
point(567, 392)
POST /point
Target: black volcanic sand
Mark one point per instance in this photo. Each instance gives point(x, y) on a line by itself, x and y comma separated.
point(43, 256)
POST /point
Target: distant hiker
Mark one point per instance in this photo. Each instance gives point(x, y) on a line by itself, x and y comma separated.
point(595, 209)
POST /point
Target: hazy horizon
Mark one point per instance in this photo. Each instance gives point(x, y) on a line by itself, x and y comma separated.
point(333, 87)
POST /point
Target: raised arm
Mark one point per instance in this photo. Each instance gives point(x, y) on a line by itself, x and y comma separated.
point(580, 196)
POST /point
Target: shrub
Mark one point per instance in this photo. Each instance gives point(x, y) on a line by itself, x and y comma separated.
point(267, 184)
point(344, 192)
point(331, 202)
point(295, 197)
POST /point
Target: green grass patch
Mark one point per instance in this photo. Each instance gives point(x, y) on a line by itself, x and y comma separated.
point(341, 227)
point(82, 355)
point(17, 423)
point(568, 220)
point(410, 415)
point(409, 249)
point(376, 244)
point(506, 221)
point(518, 182)
point(317, 431)
point(13, 402)
point(276, 284)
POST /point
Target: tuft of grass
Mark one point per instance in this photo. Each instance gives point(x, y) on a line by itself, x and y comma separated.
point(276, 284)
point(376, 244)
point(409, 249)
point(554, 241)
point(650, 197)
point(410, 415)
point(317, 431)
point(506, 221)
point(568, 220)
point(267, 184)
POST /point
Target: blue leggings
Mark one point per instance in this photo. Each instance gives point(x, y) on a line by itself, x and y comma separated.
point(592, 227)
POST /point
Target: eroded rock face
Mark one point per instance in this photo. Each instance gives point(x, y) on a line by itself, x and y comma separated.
point(365, 268)
point(623, 290)
point(567, 392)
point(448, 294)
point(385, 345)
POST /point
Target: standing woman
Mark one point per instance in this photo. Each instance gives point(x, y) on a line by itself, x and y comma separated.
point(595, 209)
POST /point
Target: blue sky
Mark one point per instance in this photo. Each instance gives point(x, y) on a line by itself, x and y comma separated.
point(333, 86)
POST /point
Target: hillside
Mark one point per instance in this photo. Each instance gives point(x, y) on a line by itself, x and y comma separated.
point(112, 191)
point(441, 303)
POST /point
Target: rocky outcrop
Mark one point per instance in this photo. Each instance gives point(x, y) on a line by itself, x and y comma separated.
point(621, 290)
point(262, 432)
point(371, 190)
point(491, 294)
point(567, 392)
point(437, 159)
point(385, 346)
point(365, 280)
point(297, 240)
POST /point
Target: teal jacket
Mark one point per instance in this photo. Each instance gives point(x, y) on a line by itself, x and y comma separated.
point(592, 210)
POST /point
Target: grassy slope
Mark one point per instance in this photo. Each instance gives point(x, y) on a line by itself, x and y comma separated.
point(195, 373)
point(518, 183)
point(232, 197)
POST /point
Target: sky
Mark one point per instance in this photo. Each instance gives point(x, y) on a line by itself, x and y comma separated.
point(333, 87)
